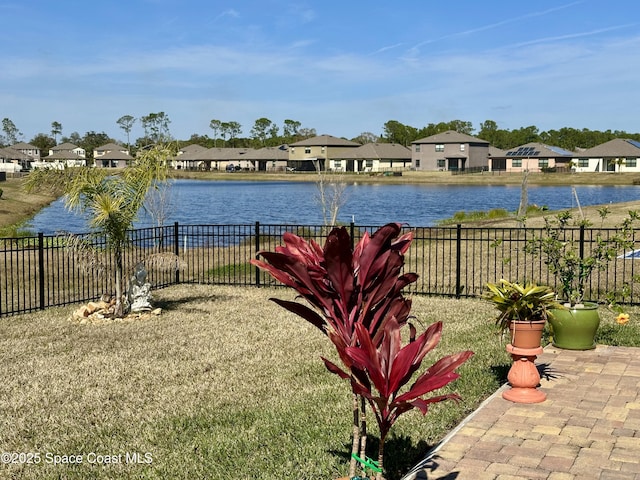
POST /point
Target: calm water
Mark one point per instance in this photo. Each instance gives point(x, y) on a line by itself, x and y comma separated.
point(232, 202)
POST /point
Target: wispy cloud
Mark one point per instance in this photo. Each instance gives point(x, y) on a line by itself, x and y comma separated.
point(575, 35)
point(388, 47)
point(496, 24)
point(230, 12)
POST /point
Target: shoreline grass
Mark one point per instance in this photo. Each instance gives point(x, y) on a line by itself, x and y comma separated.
point(223, 385)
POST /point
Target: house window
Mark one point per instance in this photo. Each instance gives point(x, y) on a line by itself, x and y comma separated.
point(369, 163)
point(516, 162)
point(630, 162)
point(441, 162)
point(583, 162)
point(293, 150)
point(439, 147)
point(543, 162)
point(322, 149)
point(462, 147)
point(337, 163)
point(417, 148)
point(417, 163)
point(307, 150)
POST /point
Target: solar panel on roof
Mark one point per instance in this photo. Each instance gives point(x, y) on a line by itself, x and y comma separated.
point(635, 143)
point(560, 151)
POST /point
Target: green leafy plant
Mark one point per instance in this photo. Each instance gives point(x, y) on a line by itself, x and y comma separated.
point(571, 266)
point(112, 203)
point(518, 302)
point(356, 300)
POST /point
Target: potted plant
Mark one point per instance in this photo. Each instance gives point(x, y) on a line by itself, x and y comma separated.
point(524, 309)
point(575, 326)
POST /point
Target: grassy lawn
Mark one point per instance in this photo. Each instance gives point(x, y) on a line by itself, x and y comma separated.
point(223, 385)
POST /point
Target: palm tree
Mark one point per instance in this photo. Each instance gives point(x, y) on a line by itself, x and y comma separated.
point(112, 202)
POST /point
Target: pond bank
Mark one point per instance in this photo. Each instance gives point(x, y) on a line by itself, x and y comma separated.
point(16, 206)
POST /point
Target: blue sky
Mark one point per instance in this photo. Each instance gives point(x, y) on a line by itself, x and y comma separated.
point(341, 67)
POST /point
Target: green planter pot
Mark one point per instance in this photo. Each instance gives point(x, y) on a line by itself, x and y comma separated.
point(575, 328)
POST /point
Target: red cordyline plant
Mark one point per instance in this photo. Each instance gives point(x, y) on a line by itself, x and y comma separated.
point(358, 303)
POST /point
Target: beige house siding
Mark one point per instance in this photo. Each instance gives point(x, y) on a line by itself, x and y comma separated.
point(111, 155)
point(317, 152)
point(449, 151)
point(372, 157)
point(27, 149)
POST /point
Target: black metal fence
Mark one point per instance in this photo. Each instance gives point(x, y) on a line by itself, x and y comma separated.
point(42, 271)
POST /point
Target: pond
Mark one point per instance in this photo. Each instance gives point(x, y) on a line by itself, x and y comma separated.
point(238, 202)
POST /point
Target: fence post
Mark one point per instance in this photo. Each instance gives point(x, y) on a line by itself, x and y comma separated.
point(458, 258)
point(256, 269)
point(581, 241)
point(352, 232)
point(41, 268)
point(176, 250)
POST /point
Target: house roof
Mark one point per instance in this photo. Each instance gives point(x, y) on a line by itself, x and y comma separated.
point(24, 146)
point(114, 155)
point(325, 141)
point(10, 153)
point(65, 147)
point(536, 150)
point(190, 152)
point(618, 147)
point(63, 155)
point(194, 147)
point(221, 154)
point(495, 152)
point(451, 136)
point(268, 153)
point(377, 151)
point(111, 146)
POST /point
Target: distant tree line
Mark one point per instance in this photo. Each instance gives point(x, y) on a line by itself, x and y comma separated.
point(567, 137)
point(266, 133)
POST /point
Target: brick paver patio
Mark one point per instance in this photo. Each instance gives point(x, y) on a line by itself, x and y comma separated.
point(587, 428)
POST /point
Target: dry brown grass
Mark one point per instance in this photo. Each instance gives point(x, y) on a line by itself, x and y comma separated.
point(223, 385)
point(16, 205)
point(222, 380)
point(618, 212)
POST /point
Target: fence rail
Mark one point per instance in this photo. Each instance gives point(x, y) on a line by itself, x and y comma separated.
point(43, 271)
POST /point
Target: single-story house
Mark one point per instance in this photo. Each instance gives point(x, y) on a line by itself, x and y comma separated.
point(10, 160)
point(316, 152)
point(268, 159)
point(186, 159)
point(450, 150)
point(617, 155)
point(372, 157)
point(534, 157)
point(218, 158)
